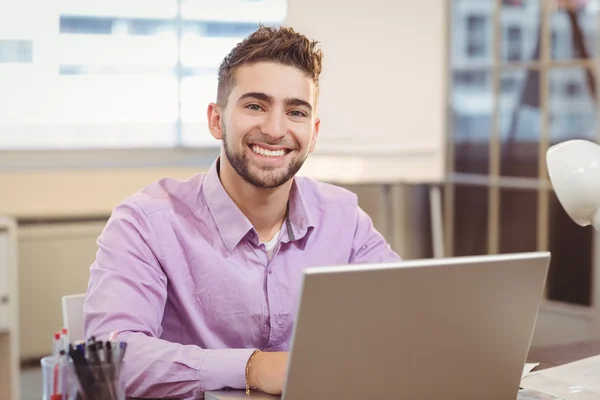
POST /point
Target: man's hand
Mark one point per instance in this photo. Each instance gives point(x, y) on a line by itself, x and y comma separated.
point(267, 371)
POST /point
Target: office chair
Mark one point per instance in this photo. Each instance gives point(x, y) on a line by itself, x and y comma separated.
point(72, 311)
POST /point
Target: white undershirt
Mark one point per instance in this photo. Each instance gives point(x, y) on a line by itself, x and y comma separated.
point(270, 245)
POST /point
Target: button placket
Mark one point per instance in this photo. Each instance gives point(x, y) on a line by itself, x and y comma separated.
point(273, 299)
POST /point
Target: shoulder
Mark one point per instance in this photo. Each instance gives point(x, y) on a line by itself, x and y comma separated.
point(166, 195)
point(326, 194)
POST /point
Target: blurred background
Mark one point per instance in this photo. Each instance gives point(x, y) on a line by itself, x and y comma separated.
point(523, 77)
point(99, 98)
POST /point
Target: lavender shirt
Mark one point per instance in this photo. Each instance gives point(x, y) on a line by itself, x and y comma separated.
point(181, 274)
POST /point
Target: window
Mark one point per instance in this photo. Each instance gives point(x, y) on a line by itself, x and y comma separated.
point(507, 83)
point(476, 34)
point(513, 37)
point(501, 126)
point(84, 74)
point(573, 24)
point(470, 79)
point(15, 51)
point(556, 46)
point(572, 89)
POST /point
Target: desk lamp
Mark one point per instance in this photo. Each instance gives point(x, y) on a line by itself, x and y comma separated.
point(574, 170)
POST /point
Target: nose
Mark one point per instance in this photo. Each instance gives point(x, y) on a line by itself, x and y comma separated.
point(274, 125)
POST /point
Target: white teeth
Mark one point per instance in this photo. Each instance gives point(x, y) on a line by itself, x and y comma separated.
point(270, 153)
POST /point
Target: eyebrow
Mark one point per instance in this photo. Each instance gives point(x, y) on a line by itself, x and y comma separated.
point(290, 101)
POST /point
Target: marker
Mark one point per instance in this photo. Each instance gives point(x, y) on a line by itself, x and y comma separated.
point(56, 345)
point(58, 386)
point(65, 339)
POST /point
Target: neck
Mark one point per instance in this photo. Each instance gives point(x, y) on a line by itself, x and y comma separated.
point(265, 208)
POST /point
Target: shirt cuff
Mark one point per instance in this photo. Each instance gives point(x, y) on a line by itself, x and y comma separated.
point(225, 368)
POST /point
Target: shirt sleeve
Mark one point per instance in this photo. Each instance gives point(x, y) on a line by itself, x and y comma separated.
point(127, 292)
point(369, 246)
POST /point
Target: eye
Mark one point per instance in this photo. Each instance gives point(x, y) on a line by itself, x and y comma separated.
point(254, 107)
point(297, 113)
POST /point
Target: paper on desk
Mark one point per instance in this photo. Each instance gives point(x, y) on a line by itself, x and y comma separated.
point(526, 394)
point(579, 380)
point(527, 369)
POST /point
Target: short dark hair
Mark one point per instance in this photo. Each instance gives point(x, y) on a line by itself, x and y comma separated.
point(282, 45)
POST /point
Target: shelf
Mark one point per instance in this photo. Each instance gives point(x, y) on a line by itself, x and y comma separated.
point(9, 334)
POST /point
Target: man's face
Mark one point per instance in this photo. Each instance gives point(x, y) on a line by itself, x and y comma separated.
point(269, 125)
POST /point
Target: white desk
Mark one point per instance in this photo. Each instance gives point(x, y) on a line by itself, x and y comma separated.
point(9, 311)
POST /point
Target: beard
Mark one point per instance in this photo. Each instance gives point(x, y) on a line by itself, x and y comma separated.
point(261, 176)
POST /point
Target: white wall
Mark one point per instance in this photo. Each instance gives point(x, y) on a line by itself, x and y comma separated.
point(384, 88)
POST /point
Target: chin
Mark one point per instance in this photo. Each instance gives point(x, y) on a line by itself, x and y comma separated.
point(267, 181)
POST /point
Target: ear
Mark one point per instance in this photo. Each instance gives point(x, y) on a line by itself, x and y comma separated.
point(313, 140)
point(214, 114)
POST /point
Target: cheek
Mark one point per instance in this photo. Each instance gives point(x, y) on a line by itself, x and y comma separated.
point(241, 126)
point(304, 136)
point(235, 135)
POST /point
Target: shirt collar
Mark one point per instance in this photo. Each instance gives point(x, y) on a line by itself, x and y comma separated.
point(300, 219)
point(233, 225)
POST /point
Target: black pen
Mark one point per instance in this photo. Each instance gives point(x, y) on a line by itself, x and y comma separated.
point(93, 354)
point(108, 352)
point(100, 351)
point(84, 374)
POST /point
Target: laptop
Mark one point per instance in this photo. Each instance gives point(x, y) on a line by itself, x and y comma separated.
point(454, 328)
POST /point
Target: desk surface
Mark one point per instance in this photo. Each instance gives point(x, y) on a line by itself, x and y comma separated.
point(547, 356)
point(553, 356)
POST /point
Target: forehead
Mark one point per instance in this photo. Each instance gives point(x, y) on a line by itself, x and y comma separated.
point(277, 80)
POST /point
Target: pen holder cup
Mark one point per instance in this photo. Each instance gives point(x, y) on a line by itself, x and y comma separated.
point(63, 380)
point(97, 382)
point(56, 378)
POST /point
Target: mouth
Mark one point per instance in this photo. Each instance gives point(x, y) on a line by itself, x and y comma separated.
point(272, 153)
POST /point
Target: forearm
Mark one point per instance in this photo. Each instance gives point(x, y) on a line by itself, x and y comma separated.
point(157, 368)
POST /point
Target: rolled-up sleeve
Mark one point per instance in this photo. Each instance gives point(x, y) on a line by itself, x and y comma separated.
point(369, 246)
point(127, 293)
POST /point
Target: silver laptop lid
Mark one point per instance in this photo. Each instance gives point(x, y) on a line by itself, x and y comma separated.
point(456, 328)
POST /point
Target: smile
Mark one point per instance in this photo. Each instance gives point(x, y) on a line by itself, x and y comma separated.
point(268, 153)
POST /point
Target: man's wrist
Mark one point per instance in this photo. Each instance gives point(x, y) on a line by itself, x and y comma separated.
point(252, 368)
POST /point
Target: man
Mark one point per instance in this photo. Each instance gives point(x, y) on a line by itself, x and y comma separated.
point(198, 275)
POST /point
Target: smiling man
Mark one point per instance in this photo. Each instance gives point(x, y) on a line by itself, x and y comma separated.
point(202, 277)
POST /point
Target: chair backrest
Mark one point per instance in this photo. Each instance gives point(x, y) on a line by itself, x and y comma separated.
point(72, 311)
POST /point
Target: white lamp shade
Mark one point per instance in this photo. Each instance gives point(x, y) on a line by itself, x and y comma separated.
point(574, 170)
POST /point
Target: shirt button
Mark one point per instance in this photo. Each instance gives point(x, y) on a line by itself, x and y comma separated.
point(270, 271)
